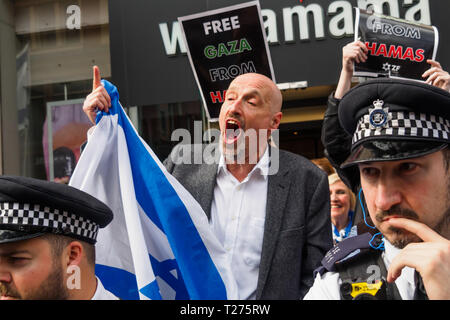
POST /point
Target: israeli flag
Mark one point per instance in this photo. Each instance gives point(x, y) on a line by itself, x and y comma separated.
point(159, 244)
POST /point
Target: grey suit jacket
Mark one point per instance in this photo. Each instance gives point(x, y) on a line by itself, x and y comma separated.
point(297, 230)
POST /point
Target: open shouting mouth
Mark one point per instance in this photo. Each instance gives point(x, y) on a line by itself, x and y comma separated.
point(233, 131)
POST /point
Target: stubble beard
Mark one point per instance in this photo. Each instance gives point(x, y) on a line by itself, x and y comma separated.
point(402, 238)
point(52, 288)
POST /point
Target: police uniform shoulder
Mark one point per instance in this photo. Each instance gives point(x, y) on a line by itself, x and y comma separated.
point(347, 250)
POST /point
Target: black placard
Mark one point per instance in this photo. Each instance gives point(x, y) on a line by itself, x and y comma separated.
point(221, 45)
point(397, 48)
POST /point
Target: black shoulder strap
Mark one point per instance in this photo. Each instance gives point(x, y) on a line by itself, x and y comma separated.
point(343, 250)
point(367, 268)
point(391, 288)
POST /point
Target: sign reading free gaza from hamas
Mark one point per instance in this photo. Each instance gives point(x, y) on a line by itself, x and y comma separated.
point(223, 44)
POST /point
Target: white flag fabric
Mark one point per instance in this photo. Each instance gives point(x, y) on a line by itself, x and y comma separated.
point(159, 244)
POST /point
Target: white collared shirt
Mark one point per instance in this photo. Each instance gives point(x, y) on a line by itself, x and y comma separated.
point(326, 287)
point(102, 294)
point(238, 214)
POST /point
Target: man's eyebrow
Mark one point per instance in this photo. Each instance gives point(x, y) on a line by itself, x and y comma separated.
point(253, 93)
point(250, 92)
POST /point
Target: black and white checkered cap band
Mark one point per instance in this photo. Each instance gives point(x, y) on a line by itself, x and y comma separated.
point(22, 214)
point(404, 124)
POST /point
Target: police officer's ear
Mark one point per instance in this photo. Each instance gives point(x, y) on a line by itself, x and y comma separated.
point(73, 254)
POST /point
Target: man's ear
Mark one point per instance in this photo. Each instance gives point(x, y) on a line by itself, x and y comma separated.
point(74, 253)
point(276, 120)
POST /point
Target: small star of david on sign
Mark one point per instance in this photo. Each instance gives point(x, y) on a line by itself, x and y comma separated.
point(386, 66)
point(378, 116)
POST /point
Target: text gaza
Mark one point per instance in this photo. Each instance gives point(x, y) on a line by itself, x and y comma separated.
point(230, 48)
point(225, 24)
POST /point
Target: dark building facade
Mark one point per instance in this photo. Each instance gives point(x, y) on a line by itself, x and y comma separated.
point(47, 49)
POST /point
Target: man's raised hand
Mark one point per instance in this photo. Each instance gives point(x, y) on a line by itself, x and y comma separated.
point(98, 99)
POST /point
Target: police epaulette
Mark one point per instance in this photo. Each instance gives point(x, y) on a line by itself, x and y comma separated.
point(343, 250)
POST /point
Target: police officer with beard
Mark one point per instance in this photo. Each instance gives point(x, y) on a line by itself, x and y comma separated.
point(48, 233)
point(400, 133)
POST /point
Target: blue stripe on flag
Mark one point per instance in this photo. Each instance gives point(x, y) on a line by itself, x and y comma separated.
point(151, 291)
point(120, 282)
point(163, 206)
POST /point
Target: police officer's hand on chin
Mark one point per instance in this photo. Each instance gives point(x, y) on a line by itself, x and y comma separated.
point(431, 258)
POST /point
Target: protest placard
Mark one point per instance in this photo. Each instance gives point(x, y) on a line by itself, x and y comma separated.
point(223, 44)
point(397, 48)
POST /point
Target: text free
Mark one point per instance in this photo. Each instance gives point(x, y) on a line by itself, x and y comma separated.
point(225, 24)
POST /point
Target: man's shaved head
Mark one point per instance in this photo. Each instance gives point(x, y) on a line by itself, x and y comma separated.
point(273, 94)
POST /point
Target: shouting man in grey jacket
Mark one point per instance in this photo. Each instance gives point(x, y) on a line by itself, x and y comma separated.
point(269, 208)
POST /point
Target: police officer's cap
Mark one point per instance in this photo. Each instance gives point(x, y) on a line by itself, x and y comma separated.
point(393, 119)
point(30, 208)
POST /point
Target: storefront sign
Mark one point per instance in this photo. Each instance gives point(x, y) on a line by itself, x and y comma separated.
point(396, 48)
point(149, 58)
point(223, 44)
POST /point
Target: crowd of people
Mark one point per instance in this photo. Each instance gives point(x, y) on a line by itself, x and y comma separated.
point(304, 232)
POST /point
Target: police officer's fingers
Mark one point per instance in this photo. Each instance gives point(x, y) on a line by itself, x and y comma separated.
point(96, 78)
point(419, 229)
point(413, 255)
point(431, 260)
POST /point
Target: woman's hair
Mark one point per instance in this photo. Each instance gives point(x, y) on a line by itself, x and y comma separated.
point(333, 178)
point(324, 164)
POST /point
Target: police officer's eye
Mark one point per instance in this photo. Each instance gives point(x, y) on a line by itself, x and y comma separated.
point(17, 260)
point(369, 172)
point(408, 167)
